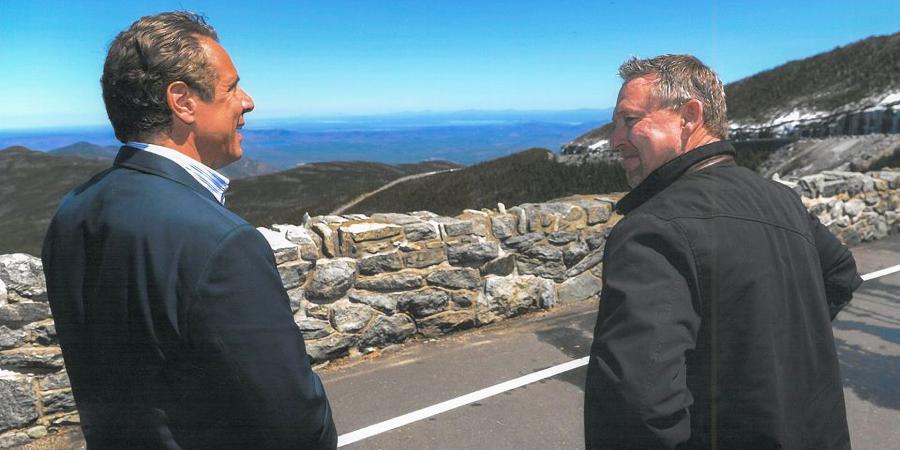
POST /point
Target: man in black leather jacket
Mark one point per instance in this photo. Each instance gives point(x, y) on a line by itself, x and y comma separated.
point(714, 328)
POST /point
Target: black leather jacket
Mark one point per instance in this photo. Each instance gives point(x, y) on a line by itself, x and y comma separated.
point(714, 328)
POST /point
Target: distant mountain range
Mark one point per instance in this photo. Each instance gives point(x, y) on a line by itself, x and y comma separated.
point(242, 168)
point(850, 90)
point(465, 137)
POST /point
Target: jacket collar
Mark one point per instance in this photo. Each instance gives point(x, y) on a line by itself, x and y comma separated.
point(666, 174)
point(147, 162)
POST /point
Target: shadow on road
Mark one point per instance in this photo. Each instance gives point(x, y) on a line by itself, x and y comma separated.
point(872, 376)
point(575, 341)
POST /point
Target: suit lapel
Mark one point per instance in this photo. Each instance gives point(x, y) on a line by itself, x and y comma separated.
point(147, 162)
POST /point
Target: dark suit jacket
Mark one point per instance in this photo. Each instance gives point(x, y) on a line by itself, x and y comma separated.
point(171, 315)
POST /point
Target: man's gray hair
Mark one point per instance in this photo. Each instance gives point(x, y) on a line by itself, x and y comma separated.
point(144, 60)
point(680, 78)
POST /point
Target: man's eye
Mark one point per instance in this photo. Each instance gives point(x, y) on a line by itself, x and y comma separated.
point(631, 120)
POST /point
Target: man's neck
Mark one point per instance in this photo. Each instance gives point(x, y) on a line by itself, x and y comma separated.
point(700, 138)
point(186, 147)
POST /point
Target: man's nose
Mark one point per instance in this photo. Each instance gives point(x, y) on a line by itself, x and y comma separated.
point(617, 138)
point(247, 102)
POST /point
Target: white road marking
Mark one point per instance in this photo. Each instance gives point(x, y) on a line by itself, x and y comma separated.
point(881, 273)
point(424, 413)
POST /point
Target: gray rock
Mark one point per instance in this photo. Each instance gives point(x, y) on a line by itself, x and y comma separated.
point(424, 302)
point(386, 303)
point(387, 330)
point(561, 237)
point(586, 263)
point(32, 359)
point(36, 432)
point(328, 237)
point(503, 226)
point(58, 401)
point(380, 263)
point(293, 274)
point(368, 231)
point(521, 219)
point(464, 299)
point(543, 252)
point(13, 439)
point(18, 401)
point(524, 242)
point(548, 295)
point(43, 332)
point(331, 279)
point(854, 207)
point(509, 296)
point(581, 287)
point(453, 227)
point(598, 211)
point(424, 258)
point(420, 231)
point(283, 249)
point(575, 252)
point(307, 242)
point(395, 218)
point(501, 266)
point(398, 281)
point(10, 338)
point(17, 315)
point(3, 293)
point(472, 255)
point(321, 312)
point(313, 328)
point(455, 278)
point(554, 270)
point(349, 317)
point(331, 347)
point(58, 380)
point(297, 297)
point(445, 322)
point(595, 241)
point(880, 228)
point(837, 209)
point(23, 276)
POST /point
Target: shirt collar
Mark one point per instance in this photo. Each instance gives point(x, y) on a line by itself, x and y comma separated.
point(667, 173)
point(213, 181)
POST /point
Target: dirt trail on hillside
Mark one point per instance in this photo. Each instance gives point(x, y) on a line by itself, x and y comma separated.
point(359, 198)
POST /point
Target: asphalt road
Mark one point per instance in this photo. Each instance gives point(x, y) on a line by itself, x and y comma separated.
point(548, 414)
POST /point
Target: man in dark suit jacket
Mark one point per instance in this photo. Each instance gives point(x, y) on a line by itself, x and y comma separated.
point(176, 330)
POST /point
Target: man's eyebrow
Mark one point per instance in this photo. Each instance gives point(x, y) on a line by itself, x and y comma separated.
point(233, 85)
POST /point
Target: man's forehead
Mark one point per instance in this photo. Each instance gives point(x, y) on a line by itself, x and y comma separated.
point(636, 93)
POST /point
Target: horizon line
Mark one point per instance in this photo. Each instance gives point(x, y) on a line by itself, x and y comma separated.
point(326, 116)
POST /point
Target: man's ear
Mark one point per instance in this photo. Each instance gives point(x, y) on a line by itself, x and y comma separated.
point(691, 115)
point(182, 101)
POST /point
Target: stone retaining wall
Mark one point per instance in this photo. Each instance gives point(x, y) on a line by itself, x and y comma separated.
point(359, 283)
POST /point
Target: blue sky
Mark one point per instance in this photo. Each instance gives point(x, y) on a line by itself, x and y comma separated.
point(306, 58)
